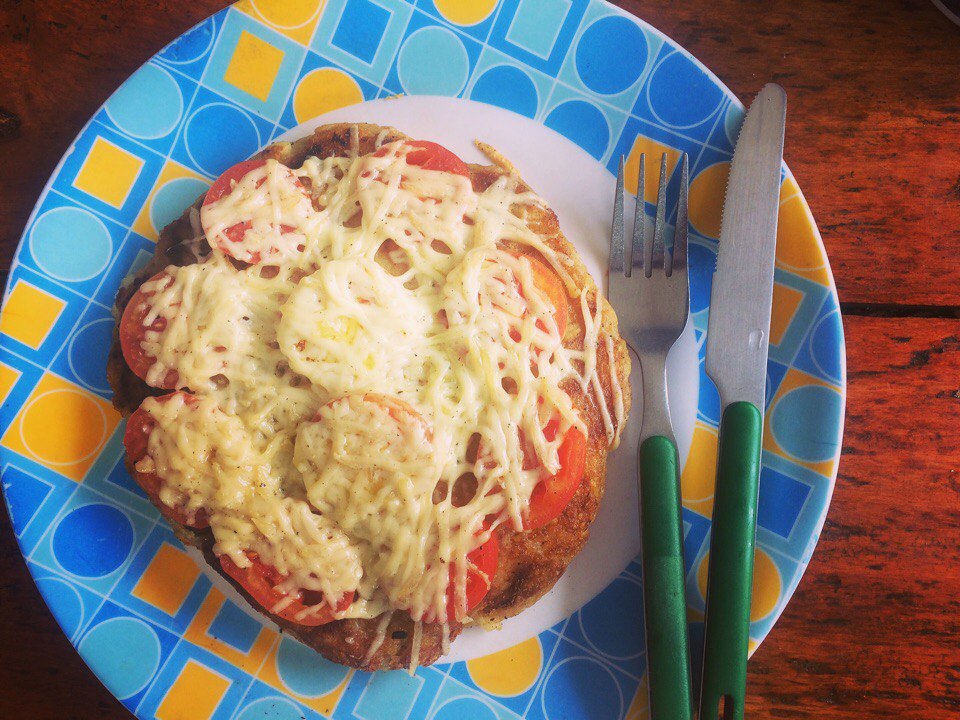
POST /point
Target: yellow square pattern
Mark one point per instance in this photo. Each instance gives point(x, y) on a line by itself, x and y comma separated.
point(30, 314)
point(254, 65)
point(194, 694)
point(167, 580)
point(143, 225)
point(198, 634)
point(8, 378)
point(108, 173)
point(62, 427)
point(654, 151)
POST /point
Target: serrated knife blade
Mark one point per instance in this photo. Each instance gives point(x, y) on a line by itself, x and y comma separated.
point(738, 334)
point(737, 342)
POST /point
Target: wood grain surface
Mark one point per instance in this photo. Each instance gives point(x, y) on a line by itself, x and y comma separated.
point(874, 141)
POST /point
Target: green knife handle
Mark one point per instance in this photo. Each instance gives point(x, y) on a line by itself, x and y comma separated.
point(665, 607)
point(730, 575)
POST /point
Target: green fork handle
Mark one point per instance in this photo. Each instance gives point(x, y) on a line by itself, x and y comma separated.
point(730, 574)
point(665, 607)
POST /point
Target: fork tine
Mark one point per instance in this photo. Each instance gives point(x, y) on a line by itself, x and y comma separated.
point(678, 258)
point(616, 233)
point(635, 258)
point(653, 250)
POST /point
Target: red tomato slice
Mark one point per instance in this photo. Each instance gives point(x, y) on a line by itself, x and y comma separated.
point(227, 240)
point(553, 493)
point(482, 565)
point(133, 331)
point(260, 581)
point(550, 284)
point(139, 427)
point(431, 156)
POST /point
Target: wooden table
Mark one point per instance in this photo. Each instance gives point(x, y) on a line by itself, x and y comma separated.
point(874, 141)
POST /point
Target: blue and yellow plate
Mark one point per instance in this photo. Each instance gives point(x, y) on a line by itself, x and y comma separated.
point(153, 627)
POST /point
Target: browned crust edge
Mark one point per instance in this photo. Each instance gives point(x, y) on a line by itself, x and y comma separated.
point(530, 563)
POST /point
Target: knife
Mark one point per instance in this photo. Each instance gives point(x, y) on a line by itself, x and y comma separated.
point(738, 336)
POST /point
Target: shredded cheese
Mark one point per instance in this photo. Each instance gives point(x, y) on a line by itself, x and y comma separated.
point(378, 279)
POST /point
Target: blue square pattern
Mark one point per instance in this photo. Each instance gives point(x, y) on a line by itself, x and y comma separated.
point(218, 133)
point(73, 606)
point(234, 627)
point(364, 696)
point(235, 25)
point(311, 64)
point(150, 161)
point(361, 26)
point(28, 375)
point(188, 54)
point(337, 40)
point(537, 32)
point(134, 252)
point(781, 500)
point(433, 60)
point(456, 701)
point(501, 81)
point(125, 652)
point(25, 494)
point(92, 540)
point(71, 244)
point(73, 307)
point(799, 544)
point(581, 687)
point(122, 593)
point(614, 78)
point(149, 106)
point(817, 354)
point(473, 19)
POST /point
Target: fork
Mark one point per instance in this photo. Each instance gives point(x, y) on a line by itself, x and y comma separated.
point(648, 288)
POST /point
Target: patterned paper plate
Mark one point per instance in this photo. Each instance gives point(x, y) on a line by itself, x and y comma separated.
point(149, 623)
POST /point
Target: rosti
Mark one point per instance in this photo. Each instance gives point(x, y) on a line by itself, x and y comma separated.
point(530, 561)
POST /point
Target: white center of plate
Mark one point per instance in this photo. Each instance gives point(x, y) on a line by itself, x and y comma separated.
point(580, 191)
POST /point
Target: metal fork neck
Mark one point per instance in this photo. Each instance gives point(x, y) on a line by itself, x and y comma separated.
point(656, 409)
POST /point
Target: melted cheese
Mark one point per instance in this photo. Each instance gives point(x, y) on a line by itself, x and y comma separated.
point(381, 278)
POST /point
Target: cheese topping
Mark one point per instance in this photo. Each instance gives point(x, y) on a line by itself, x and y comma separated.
point(368, 391)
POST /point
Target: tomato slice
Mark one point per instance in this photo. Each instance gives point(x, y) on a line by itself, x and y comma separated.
point(139, 427)
point(553, 493)
point(133, 332)
point(260, 581)
point(482, 565)
point(431, 156)
point(550, 284)
point(229, 239)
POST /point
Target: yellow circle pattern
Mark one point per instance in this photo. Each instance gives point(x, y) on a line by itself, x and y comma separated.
point(509, 672)
point(287, 14)
point(465, 12)
point(766, 584)
point(324, 90)
point(705, 204)
point(63, 427)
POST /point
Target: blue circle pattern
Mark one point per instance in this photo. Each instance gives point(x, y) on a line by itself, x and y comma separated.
point(827, 335)
point(148, 105)
point(170, 200)
point(806, 422)
point(93, 540)
point(84, 353)
point(64, 601)
point(219, 135)
point(619, 640)
point(465, 708)
point(694, 99)
point(508, 87)
point(124, 653)
point(581, 687)
point(433, 61)
point(305, 672)
point(582, 123)
point(70, 244)
point(603, 69)
point(271, 708)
